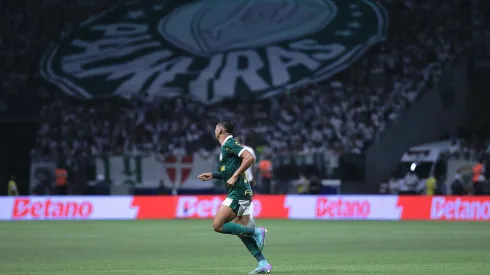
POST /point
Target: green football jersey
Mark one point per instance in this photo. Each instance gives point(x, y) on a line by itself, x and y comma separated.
point(229, 162)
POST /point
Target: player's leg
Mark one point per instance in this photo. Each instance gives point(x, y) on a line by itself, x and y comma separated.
point(243, 211)
point(223, 221)
point(250, 242)
point(253, 244)
point(251, 223)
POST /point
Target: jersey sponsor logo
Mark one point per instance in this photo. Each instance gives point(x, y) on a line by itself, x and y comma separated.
point(27, 208)
point(460, 208)
point(213, 49)
point(336, 208)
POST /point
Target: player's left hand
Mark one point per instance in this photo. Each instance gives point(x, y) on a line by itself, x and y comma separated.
point(232, 180)
point(205, 176)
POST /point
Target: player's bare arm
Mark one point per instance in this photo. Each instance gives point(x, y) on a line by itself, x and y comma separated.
point(247, 160)
point(209, 176)
point(205, 176)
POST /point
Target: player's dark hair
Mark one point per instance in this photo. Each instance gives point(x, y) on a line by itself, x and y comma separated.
point(228, 125)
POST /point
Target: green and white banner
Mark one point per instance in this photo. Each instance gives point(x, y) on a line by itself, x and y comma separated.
point(151, 171)
point(213, 49)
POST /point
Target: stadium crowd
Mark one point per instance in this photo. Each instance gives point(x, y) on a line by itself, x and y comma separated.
point(343, 115)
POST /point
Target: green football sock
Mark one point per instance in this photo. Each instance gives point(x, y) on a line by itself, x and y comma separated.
point(251, 245)
point(237, 229)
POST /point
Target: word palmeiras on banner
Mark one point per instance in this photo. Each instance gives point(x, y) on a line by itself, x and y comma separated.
point(213, 49)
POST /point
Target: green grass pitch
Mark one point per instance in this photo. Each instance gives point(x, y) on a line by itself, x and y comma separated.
point(293, 247)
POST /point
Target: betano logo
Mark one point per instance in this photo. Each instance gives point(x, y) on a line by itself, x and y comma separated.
point(205, 207)
point(26, 208)
point(213, 49)
point(341, 208)
point(459, 209)
point(193, 207)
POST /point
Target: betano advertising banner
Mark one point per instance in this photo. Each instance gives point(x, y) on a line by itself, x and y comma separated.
point(278, 207)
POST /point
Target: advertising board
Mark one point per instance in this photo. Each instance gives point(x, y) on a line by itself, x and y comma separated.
point(265, 206)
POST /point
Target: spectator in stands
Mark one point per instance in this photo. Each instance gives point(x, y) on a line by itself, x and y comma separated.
point(265, 168)
point(479, 179)
point(430, 186)
point(61, 181)
point(12, 187)
point(478, 172)
point(458, 187)
point(100, 186)
point(411, 182)
point(394, 185)
point(43, 182)
point(455, 149)
point(302, 185)
point(315, 186)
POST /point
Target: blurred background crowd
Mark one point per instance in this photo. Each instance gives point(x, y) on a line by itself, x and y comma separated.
point(344, 114)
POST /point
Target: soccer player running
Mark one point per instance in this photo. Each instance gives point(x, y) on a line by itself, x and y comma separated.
point(233, 216)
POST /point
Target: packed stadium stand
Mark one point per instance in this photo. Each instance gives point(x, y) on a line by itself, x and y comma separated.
point(343, 114)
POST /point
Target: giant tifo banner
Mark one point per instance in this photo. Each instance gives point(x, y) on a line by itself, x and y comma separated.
point(149, 171)
point(278, 207)
point(213, 49)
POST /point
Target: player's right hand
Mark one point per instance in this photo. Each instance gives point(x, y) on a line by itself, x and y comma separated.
point(205, 176)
